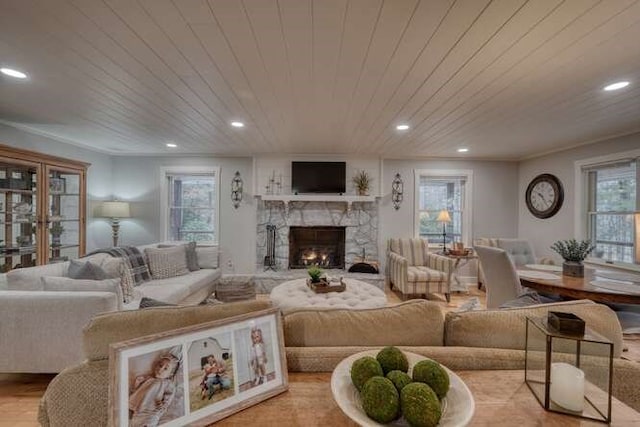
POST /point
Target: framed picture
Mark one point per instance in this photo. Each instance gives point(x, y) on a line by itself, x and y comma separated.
point(202, 373)
point(56, 185)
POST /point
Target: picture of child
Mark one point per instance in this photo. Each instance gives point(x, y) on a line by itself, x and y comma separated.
point(155, 396)
point(256, 364)
point(210, 368)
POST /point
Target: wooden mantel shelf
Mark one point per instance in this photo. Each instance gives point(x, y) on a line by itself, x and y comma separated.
point(288, 198)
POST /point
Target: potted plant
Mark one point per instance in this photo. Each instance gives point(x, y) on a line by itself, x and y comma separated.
point(315, 274)
point(362, 181)
point(573, 252)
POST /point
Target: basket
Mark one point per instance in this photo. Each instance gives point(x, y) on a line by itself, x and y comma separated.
point(324, 287)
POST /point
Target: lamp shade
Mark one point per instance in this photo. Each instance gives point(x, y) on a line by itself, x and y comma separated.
point(443, 216)
point(115, 210)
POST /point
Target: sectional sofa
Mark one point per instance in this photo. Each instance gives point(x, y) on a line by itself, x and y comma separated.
point(317, 340)
point(41, 331)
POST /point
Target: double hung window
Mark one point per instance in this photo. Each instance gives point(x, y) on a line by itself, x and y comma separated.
point(443, 190)
point(191, 208)
point(612, 206)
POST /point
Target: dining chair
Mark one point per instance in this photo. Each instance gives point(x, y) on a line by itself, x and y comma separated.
point(502, 281)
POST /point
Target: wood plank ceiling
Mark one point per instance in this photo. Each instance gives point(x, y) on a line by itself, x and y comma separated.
point(506, 78)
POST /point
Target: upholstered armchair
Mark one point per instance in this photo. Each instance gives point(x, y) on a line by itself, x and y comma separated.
point(412, 269)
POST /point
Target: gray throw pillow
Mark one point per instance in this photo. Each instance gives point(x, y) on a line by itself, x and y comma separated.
point(150, 302)
point(192, 256)
point(85, 270)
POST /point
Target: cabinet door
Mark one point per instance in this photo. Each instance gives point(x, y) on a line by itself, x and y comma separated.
point(65, 209)
point(19, 221)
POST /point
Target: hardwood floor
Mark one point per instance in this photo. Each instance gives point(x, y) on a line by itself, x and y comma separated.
point(21, 393)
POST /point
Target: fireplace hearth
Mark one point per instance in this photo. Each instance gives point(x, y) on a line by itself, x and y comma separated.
point(318, 245)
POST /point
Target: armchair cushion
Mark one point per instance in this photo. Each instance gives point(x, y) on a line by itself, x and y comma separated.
point(425, 274)
point(414, 250)
point(519, 251)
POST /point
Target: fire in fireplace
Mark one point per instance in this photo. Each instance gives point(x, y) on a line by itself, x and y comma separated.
point(322, 246)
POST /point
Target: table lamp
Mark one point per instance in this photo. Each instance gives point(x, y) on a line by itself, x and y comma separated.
point(444, 218)
point(115, 210)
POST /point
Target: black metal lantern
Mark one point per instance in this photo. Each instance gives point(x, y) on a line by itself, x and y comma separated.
point(236, 190)
point(397, 190)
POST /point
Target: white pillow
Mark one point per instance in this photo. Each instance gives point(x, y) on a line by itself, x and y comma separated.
point(28, 279)
point(207, 256)
point(167, 262)
point(66, 284)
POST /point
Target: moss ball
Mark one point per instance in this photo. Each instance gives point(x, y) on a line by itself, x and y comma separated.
point(399, 379)
point(392, 359)
point(431, 373)
point(380, 400)
point(420, 405)
point(363, 369)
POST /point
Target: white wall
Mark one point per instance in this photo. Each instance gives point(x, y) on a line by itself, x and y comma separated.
point(543, 232)
point(98, 175)
point(137, 179)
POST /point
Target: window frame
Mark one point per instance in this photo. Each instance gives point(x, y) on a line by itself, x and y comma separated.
point(583, 200)
point(467, 208)
point(164, 198)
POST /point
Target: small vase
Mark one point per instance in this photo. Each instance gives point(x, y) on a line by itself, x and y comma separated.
point(573, 269)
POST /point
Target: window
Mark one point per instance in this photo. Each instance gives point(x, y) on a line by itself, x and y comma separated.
point(612, 200)
point(191, 205)
point(443, 190)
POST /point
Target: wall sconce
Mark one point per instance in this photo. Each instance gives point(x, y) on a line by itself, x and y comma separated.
point(236, 190)
point(397, 190)
point(115, 210)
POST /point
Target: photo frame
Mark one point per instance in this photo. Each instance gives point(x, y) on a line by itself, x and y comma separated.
point(203, 372)
point(56, 185)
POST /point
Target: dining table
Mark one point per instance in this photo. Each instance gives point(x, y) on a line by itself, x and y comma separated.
point(599, 284)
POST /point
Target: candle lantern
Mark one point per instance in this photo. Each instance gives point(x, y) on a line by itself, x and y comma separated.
point(569, 367)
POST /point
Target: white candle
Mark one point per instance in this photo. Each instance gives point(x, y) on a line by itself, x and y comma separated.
point(567, 386)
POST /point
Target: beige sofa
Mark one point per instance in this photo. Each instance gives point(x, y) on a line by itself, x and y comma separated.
point(41, 331)
point(318, 339)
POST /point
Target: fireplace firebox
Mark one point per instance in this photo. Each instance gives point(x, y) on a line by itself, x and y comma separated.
point(322, 246)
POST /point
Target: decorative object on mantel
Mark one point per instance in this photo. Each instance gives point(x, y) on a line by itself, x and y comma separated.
point(236, 190)
point(275, 185)
point(270, 257)
point(397, 190)
point(444, 218)
point(569, 373)
point(362, 181)
point(115, 210)
point(573, 253)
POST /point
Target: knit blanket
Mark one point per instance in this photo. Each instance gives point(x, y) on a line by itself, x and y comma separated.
point(134, 259)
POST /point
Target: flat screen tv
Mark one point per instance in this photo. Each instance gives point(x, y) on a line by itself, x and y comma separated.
point(318, 177)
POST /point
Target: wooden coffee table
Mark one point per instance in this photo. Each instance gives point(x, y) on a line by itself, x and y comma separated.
point(501, 397)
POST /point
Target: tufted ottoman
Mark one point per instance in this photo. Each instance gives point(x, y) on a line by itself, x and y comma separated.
point(358, 295)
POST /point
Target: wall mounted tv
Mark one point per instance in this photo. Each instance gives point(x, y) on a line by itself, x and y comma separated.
point(318, 177)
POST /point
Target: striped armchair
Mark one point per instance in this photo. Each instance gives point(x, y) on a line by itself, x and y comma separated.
point(413, 270)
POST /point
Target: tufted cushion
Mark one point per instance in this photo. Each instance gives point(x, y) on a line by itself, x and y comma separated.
point(519, 251)
point(296, 294)
point(425, 274)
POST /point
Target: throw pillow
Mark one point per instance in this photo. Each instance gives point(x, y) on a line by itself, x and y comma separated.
point(207, 256)
point(192, 256)
point(116, 267)
point(66, 284)
point(150, 302)
point(85, 270)
point(167, 262)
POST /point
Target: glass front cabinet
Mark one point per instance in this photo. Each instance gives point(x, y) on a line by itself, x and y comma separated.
point(42, 208)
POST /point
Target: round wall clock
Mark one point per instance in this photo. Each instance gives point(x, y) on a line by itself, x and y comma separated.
point(544, 195)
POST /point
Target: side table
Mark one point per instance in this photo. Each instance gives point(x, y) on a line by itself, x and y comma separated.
point(460, 261)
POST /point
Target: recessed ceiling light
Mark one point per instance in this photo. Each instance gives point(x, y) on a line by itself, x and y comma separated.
point(402, 127)
point(13, 73)
point(237, 124)
point(616, 86)
point(171, 145)
point(462, 150)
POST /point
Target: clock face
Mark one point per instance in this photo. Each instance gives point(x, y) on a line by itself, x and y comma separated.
point(544, 196)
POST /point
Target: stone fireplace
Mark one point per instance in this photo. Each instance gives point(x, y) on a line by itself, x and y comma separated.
point(316, 245)
point(359, 227)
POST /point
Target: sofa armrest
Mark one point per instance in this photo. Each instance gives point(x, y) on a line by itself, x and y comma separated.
point(397, 267)
point(42, 331)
